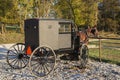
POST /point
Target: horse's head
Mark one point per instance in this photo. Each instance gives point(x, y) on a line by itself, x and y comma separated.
point(93, 31)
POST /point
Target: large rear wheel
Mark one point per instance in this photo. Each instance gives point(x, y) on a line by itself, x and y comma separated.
point(42, 61)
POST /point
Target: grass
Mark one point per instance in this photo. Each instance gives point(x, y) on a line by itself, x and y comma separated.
point(108, 34)
point(107, 43)
point(110, 51)
point(11, 37)
point(107, 55)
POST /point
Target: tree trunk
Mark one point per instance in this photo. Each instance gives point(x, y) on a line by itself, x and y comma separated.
point(21, 27)
point(3, 29)
point(72, 11)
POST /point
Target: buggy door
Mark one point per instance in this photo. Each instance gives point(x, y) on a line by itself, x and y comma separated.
point(65, 35)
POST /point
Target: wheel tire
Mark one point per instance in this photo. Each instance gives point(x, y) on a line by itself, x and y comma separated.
point(42, 61)
point(16, 56)
point(84, 55)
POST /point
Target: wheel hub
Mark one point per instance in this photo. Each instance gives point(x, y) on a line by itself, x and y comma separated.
point(42, 61)
point(20, 56)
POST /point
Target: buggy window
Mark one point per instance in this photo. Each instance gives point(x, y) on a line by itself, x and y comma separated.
point(65, 27)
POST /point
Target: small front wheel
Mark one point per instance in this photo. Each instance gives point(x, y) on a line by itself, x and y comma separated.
point(42, 61)
point(84, 55)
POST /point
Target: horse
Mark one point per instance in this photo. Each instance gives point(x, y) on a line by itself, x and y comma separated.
point(81, 37)
point(84, 35)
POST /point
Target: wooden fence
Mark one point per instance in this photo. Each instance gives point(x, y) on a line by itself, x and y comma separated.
point(100, 43)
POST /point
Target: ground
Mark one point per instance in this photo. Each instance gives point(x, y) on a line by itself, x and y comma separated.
point(64, 70)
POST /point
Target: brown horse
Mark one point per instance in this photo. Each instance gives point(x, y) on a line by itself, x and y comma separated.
point(83, 35)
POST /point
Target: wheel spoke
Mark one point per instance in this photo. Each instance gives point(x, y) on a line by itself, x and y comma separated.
point(22, 60)
point(43, 69)
point(11, 51)
point(46, 56)
point(39, 69)
point(15, 49)
point(18, 47)
point(50, 64)
point(11, 55)
point(46, 68)
point(15, 62)
point(34, 64)
point(49, 60)
point(21, 63)
point(22, 48)
point(18, 63)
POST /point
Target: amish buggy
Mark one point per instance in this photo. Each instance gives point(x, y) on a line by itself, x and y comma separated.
point(43, 39)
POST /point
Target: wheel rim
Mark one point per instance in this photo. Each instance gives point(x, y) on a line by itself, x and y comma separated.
point(16, 56)
point(42, 61)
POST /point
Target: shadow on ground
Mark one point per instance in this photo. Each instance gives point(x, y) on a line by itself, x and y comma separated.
point(69, 56)
point(3, 52)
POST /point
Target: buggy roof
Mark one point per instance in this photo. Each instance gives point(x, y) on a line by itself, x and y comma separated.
point(48, 19)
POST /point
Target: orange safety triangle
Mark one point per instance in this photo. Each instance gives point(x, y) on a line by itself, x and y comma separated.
point(28, 51)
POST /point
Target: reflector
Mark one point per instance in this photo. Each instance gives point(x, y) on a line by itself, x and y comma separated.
point(28, 51)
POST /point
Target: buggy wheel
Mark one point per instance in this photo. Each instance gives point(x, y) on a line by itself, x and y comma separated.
point(42, 61)
point(16, 56)
point(84, 54)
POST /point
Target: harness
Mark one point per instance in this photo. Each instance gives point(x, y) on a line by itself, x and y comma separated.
point(86, 38)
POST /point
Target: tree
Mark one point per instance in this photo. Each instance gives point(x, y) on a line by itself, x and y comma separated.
point(90, 12)
point(5, 7)
point(83, 12)
point(109, 15)
point(25, 11)
point(42, 8)
point(69, 9)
